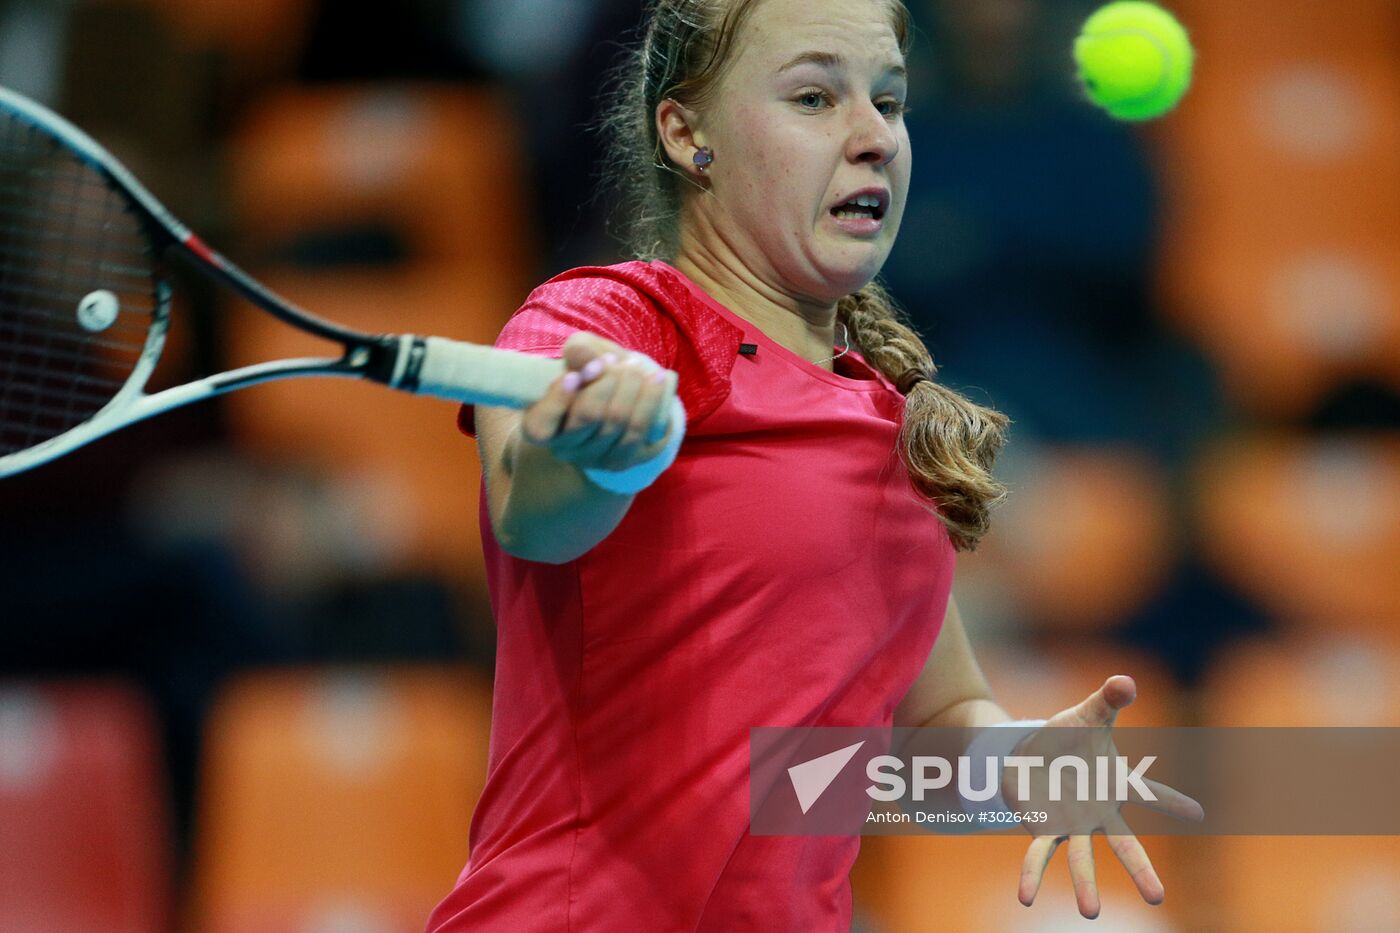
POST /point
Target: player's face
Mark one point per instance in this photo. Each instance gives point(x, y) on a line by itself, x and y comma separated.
point(792, 143)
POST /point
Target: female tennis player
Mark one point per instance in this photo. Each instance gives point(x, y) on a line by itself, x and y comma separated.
point(792, 566)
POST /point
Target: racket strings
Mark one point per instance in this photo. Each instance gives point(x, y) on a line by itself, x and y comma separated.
point(30, 224)
point(60, 241)
point(33, 368)
point(138, 331)
point(66, 238)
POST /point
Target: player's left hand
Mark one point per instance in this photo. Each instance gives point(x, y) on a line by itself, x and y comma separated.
point(1096, 714)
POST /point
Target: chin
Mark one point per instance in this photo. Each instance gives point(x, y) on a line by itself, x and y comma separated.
point(850, 279)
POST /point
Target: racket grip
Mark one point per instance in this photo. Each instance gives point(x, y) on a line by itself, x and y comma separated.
point(479, 375)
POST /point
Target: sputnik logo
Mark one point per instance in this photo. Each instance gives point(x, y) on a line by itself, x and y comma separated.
point(811, 778)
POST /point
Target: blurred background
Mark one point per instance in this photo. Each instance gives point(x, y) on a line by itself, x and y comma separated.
point(245, 649)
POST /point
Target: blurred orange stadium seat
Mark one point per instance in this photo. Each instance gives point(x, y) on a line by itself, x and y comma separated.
point(84, 834)
point(1306, 884)
point(407, 446)
point(338, 799)
point(1083, 540)
point(439, 166)
point(1283, 207)
point(1289, 318)
point(1315, 679)
point(1286, 141)
point(1292, 28)
point(1309, 528)
point(1297, 884)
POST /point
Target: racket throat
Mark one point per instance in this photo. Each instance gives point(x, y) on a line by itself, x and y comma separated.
point(395, 361)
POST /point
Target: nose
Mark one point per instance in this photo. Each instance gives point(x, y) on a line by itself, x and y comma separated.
point(873, 137)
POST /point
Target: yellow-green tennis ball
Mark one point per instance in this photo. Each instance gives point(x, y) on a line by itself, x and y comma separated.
point(1135, 59)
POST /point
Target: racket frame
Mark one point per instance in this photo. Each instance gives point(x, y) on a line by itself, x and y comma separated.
point(397, 361)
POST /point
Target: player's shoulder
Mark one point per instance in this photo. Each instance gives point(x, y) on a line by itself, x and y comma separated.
point(649, 306)
point(628, 303)
point(636, 283)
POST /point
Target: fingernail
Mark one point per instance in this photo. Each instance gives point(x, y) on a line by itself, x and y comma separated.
point(658, 377)
point(571, 381)
point(594, 367)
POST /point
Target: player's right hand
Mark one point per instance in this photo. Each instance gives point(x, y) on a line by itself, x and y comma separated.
point(610, 410)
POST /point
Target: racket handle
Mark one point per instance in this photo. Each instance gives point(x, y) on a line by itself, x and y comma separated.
point(479, 375)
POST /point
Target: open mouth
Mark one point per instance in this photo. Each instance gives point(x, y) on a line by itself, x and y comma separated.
point(865, 207)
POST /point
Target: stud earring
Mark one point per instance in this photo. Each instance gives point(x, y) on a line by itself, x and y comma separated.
point(704, 158)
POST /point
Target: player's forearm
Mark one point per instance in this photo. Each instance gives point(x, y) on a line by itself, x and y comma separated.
point(973, 713)
point(551, 512)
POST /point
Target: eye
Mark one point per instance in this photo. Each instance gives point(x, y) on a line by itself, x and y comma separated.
point(896, 108)
point(816, 98)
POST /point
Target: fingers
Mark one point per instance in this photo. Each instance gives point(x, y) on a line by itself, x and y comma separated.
point(660, 428)
point(1102, 706)
point(1038, 856)
point(545, 421)
point(583, 346)
point(609, 413)
point(622, 403)
point(1134, 858)
point(1170, 801)
point(591, 406)
point(640, 398)
point(647, 414)
point(1080, 854)
point(541, 421)
point(1081, 873)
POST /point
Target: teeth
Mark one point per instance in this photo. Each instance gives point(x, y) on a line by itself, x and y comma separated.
point(868, 200)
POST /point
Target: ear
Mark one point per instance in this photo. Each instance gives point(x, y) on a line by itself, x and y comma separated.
point(676, 126)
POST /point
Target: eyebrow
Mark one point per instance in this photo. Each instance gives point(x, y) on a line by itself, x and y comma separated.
point(831, 60)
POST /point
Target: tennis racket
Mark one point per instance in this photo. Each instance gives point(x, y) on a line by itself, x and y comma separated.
point(85, 304)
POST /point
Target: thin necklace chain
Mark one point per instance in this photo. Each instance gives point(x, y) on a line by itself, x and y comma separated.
point(845, 346)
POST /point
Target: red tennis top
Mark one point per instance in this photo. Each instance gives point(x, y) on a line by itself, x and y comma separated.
point(781, 573)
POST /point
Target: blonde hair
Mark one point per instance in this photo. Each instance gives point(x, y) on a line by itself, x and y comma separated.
point(947, 442)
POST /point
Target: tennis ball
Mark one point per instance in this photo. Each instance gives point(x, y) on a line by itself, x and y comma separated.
point(1135, 59)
